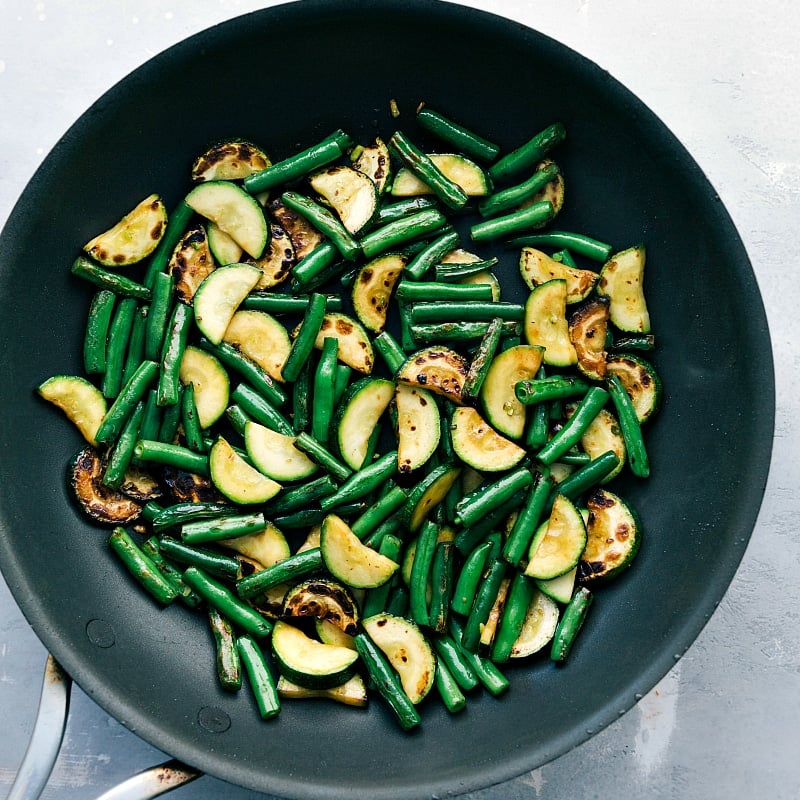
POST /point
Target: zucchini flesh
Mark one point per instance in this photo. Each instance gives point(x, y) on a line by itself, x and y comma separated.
point(277, 260)
point(372, 289)
point(229, 160)
point(352, 194)
point(275, 454)
point(622, 281)
point(82, 402)
point(459, 169)
point(546, 323)
point(374, 160)
point(539, 627)
point(588, 325)
point(360, 412)
point(210, 381)
point(191, 262)
point(353, 692)
point(613, 537)
point(218, 297)
point(418, 427)
point(222, 246)
point(603, 434)
point(428, 493)
point(267, 547)
point(558, 543)
point(236, 479)
point(323, 599)
point(355, 346)
point(438, 369)
point(641, 382)
point(262, 338)
point(537, 267)
point(477, 444)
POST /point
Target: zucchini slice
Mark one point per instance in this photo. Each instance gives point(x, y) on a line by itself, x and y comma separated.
point(375, 162)
point(476, 443)
point(622, 282)
point(359, 413)
point(500, 404)
point(211, 384)
point(587, 332)
point(428, 493)
point(538, 628)
point(561, 588)
point(191, 262)
point(418, 426)
point(546, 323)
point(103, 505)
point(407, 650)
point(82, 402)
point(614, 534)
point(133, 238)
point(461, 170)
point(223, 247)
point(234, 211)
point(235, 478)
point(309, 663)
point(277, 260)
point(641, 381)
point(439, 369)
point(351, 194)
point(349, 560)
point(267, 547)
point(372, 289)
point(603, 434)
point(275, 455)
point(323, 599)
point(302, 234)
point(554, 191)
point(353, 692)
point(262, 338)
point(484, 277)
point(333, 634)
point(219, 295)
point(355, 347)
point(229, 160)
point(558, 543)
point(537, 267)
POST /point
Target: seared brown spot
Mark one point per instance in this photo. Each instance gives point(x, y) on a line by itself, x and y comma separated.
point(344, 326)
point(155, 233)
point(119, 258)
point(366, 275)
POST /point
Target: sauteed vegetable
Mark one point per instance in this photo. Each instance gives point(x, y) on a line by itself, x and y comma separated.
point(313, 416)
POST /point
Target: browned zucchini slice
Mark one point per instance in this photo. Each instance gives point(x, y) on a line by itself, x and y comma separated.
point(622, 281)
point(229, 160)
point(537, 267)
point(322, 598)
point(438, 369)
point(375, 162)
point(303, 235)
point(189, 487)
point(191, 262)
point(277, 260)
point(355, 347)
point(104, 505)
point(372, 289)
point(587, 332)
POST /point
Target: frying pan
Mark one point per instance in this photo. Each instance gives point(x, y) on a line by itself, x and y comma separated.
point(286, 77)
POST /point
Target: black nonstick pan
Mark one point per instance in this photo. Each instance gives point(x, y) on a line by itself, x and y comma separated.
point(285, 77)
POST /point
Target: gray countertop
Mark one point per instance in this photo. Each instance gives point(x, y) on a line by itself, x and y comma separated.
point(724, 77)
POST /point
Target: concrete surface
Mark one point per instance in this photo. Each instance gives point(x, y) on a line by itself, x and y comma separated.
point(724, 77)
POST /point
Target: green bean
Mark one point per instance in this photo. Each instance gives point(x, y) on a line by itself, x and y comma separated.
point(390, 351)
point(488, 674)
point(301, 398)
point(465, 140)
point(571, 622)
point(386, 682)
point(260, 410)
point(484, 600)
point(407, 341)
point(223, 566)
point(308, 517)
point(469, 537)
point(176, 225)
point(397, 603)
point(469, 577)
point(172, 574)
point(191, 424)
point(301, 495)
point(171, 454)
point(361, 483)
point(403, 208)
point(576, 242)
point(449, 691)
point(440, 332)
point(387, 528)
point(217, 529)
point(489, 496)
point(646, 342)
point(528, 519)
point(482, 359)
point(449, 192)
point(173, 348)
point(82, 267)
point(430, 255)
point(262, 684)
point(514, 196)
point(303, 343)
point(135, 353)
point(278, 303)
point(237, 417)
point(630, 427)
point(125, 402)
point(229, 664)
point(449, 654)
point(317, 268)
point(556, 387)
point(570, 434)
point(434, 291)
point(565, 257)
point(454, 311)
point(101, 310)
point(119, 458)
point(170, 420)
point(231, 607)
point(296, 566)
point(393, 500)
point(158, 317)
point(118, 338)
point(141, 567)
point(446, 272)
point(520, 594)
point(325, 222)
point(341, 381)
point(586, 476)
point(375, 599)
point(257, 377)
point(324, 386)
point(421, 571)
point(180, 513)
point(526, 156)
point(299, 164)
point(320, 455)
point(514, 222)
point(441, 585)
point(401, 231)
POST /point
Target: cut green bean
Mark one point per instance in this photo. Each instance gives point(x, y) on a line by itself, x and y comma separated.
point(570, 624)
point(361, 483)
point(82, 267)
point(449, 654)
point(587, 476)
point(309, 517)
point(489, 496)
point(488, 674)
point(223, 566)
point(556, 387)
point(118, 338)
point(341, 381)
point(262, 684)
point(465, 140)
point(172, 574)
point(176, 338)
point(301, 397)
point(514, 196)
point(388, 527)
point(448, 689)
point(159, 314)
point(296, 566)
point(121, 454)
point(565, 257)
point(231, 607)
point(319, 267)
point(135, 353)
point(125, 402)
point(520, 594)
point(484, 600)
point(454, 311)
point(229, 664)
point(404, 208)
point(447, 272)
point(325, 222)
point(320, 455)
point(303, 495)
point(434, 291)
point(469, 578)
point(192, 431)
point(430, 255)
point(98, 322)
point(570, 434)
point(217, 529)
point(401, 231)
point(441, 586)
point(278, 303)
point(526, 156)
point(170, 420)
point(630, 427)
point(449, 192)
point(575, 242)
point(176, 226)
point(173, 455)
point(528, 519)
point(141, 567)
point(440, 332)
point(180, 513)
point(421, 571)
point(303, 344)
point(324, 387)
point(482, 359)
point(375, 599)
point(514, 222)
point(392, 501)
point(260, 409)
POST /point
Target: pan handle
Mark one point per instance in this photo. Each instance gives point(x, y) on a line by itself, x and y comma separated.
point(48, 731)
point(45, 743)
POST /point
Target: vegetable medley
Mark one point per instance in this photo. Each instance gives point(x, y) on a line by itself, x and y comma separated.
point(312, 416)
